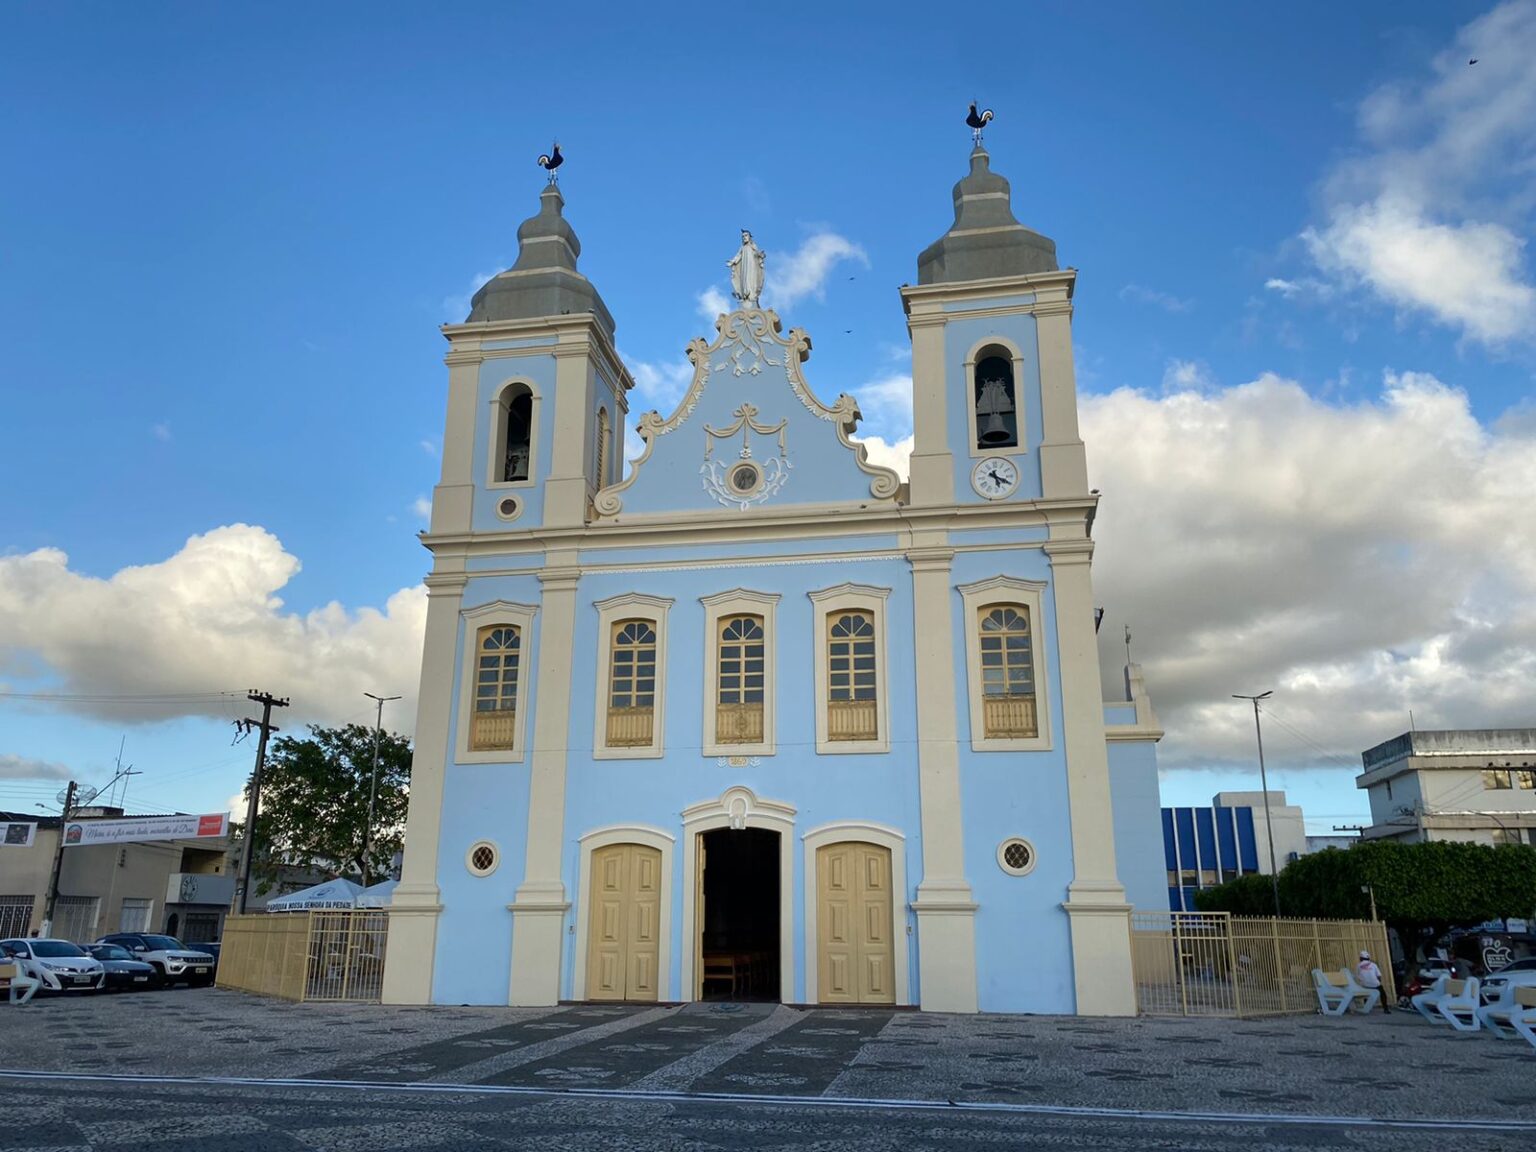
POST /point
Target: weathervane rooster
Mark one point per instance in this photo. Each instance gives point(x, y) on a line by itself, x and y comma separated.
point(976, 121)
point(551, 161)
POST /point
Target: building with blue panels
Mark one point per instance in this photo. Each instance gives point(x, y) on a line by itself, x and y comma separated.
point(758, 717)
point(1204, 847)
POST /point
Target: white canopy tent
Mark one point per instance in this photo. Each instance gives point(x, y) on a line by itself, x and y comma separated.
point(377, 895)
point(333, 894)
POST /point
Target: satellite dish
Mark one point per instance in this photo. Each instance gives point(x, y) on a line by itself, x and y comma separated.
point(83, 795)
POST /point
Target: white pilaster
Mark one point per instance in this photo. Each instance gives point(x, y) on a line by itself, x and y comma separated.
point(540, 904)
point(1096, 905)
point(565, 492)
point(932, 468)
point(453, 498)
point(416, 902)
point(1063, 463)
point(946, 912)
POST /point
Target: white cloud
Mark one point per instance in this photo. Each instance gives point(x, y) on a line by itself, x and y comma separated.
point(713, 303)
point(14, 767)
point(803, 272)
point(207, 619)
point(421, 508)
point(428, 446)
point(886, 403)
point(1187, 375)
point(658, 386)
point(1360, 559)
point(1163, 300)
point(161, 432)
point(456, 307)
point(1431, 215)
point(896, 455)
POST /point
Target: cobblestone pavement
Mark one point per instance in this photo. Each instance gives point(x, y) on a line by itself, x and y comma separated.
point(700, 1076)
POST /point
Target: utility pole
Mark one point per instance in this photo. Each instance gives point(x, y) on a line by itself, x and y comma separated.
point(52, 898)
point(248, 849)
point(1269, 828)
point(373, 780)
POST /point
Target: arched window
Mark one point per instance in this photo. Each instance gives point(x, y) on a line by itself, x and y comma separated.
point(740, 682)
point(852, 711)
point(996, 400)
point(498, 655)
point(632, 684)
point(603, 436)
point(517, 435)
point(1007, 672)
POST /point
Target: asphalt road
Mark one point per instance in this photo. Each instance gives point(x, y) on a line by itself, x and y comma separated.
point(144, 1115)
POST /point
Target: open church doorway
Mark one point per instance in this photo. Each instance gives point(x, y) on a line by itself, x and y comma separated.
point(738, 913)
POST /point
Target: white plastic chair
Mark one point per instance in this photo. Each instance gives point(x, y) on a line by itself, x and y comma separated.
point(1336, 991)
point(1460, 1003)
point(1516, 1007)
point(1427, 1001)
point(21, 986)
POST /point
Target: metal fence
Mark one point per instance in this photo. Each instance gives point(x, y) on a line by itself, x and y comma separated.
point(1215, 964)
point(306, 955)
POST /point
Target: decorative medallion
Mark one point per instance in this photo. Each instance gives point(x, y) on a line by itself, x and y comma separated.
point(738, 761)
point(745, 480)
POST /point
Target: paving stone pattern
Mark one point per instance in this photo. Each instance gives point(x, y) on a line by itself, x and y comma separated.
point(1388, 1067)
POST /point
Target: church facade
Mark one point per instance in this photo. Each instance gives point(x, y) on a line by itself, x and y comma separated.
point(758, 717)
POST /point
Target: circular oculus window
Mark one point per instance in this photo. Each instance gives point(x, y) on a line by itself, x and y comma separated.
point(745, 478)
point(1016, 856)
point(509, 507)
point(482, 858)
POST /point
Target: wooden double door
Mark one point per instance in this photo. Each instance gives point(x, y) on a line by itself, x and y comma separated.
point(624, 934)
point(855, 924)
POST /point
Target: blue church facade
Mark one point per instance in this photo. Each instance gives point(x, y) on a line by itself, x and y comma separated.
point(758, 717)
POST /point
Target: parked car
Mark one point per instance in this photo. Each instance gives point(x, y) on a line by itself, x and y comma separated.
point(57, 965)
point(124, 973)
point(212, 948)
point(173, 960)
point(1519, 973)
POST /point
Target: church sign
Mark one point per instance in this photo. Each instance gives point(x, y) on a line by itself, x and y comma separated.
point(17, 835)
point(144, 828)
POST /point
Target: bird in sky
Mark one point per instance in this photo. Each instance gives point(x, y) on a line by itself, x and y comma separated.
point(551, 161)
point(977, 121)
point(1473, 60)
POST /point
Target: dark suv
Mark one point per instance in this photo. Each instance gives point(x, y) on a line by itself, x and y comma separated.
point(172, 959)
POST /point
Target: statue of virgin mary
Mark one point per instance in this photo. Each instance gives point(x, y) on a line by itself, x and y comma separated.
point(747, 271)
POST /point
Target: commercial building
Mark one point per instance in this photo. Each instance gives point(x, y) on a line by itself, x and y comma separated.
point(182, 887)
point(1203, 847)
point(759, 717)
point(1473, 784)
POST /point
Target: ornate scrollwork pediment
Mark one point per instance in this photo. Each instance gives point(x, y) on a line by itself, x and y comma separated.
point(750, 343)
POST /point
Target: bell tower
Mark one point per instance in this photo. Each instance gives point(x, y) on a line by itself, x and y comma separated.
point(994, 399)
point(537, 394)
point(995, 425)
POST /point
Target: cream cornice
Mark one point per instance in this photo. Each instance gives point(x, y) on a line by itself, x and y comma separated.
point(639, 599)
point(1038, 282)
point(1123, 733)
point(575, 334)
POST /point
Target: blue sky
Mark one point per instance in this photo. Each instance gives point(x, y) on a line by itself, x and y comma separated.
point(1304, 327)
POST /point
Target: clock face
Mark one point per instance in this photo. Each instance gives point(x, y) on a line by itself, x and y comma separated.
point(995, 477)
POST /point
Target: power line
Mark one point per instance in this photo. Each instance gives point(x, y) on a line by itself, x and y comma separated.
point(113, 698)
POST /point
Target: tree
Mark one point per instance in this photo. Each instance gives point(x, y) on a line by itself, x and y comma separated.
point(314, 803)
point(1420, 889)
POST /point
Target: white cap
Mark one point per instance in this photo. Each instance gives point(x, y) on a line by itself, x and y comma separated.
point(1365, 955)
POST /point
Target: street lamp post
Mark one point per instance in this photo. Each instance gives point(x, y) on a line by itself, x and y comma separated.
point(1269, 827)
point(373, 780)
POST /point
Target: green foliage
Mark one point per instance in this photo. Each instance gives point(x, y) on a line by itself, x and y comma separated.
point(1250, 895)
point(314, 803)
point(1430, 885)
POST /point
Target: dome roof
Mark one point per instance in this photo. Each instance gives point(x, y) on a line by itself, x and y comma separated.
point(544, 281)
point(985, 241)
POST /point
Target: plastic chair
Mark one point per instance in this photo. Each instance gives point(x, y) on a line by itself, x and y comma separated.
point(18, 984)
point(1460, 1003)
point(1337, 991)
point(1426, 1002)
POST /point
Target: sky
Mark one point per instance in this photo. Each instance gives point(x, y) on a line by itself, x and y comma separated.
point(1304, 331)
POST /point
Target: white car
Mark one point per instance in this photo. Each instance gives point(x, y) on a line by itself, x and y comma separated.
point(173, 960)
point(1521, 972)
point(57, 965)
